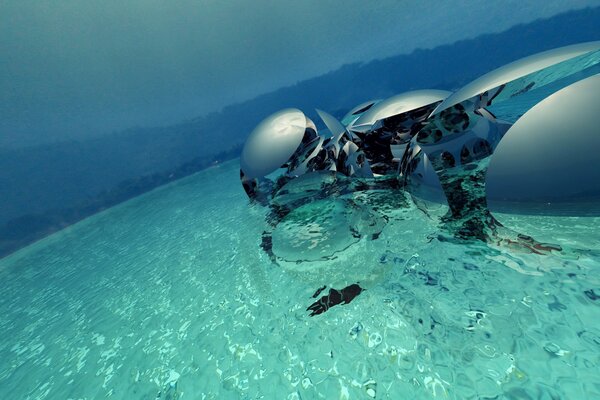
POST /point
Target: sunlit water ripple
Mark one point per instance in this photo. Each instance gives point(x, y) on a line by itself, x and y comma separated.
point(169, 296)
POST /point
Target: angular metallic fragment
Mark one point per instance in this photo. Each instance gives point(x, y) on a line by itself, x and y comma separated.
point(418, 176)
point(357, 111)
point(387, 127)
point(400, 104)
point(334, 126)
point(348, 159)
point(352, 161)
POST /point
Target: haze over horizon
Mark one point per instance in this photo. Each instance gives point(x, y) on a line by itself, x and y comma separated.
point(72, 70)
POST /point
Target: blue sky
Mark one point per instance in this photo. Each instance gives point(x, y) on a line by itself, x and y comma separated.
point(72, 69)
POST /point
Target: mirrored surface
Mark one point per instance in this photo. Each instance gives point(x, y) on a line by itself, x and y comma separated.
point(550, 155)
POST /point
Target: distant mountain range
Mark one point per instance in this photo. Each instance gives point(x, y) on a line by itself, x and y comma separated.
point(47, 187)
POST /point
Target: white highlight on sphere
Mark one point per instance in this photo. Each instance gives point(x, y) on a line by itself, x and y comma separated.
point(273, 142)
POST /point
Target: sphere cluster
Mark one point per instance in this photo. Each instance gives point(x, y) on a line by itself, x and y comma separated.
point(427, 138)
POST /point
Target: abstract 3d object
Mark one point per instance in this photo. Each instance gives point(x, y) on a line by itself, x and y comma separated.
point(396, 143)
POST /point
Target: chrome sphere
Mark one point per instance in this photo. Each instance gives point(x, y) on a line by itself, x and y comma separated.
point(272, 143)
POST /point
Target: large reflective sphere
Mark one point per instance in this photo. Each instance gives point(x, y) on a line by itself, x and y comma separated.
point(587, 55)
point(272, 142)
point(551, 153)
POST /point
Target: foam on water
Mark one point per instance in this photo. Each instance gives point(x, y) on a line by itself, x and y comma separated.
point(170, 296)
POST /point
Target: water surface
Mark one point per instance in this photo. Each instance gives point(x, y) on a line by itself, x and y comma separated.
point(170, 296)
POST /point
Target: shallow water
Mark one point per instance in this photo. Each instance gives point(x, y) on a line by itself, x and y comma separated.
point(170, 296)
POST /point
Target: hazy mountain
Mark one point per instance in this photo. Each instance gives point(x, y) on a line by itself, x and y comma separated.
point(57, 184)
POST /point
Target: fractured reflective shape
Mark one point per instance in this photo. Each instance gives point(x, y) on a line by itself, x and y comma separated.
point(420, 141)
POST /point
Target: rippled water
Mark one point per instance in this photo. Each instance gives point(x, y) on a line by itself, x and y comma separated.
point(169, 296)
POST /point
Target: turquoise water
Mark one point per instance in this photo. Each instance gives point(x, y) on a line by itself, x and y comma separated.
point(169, 296)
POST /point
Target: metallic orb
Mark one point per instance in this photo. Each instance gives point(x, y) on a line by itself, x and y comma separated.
point(272, 143)
point(551, 153)
point(287, 141)
point(522, 75)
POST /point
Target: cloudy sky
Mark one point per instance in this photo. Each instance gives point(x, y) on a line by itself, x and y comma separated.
point(71, 69)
